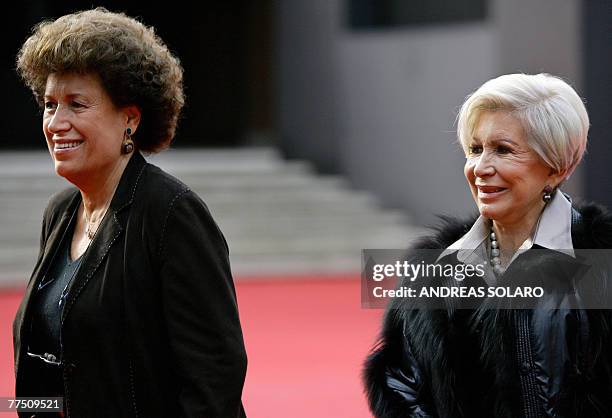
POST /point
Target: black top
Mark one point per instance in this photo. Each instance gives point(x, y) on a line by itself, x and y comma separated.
point(46, 316)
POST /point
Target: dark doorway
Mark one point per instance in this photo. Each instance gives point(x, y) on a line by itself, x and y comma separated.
point(597, 38)
point(225, 48)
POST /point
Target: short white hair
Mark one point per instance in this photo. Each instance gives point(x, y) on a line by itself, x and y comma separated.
point(552, 114)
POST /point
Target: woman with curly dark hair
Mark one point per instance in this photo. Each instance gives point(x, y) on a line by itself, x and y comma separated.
point(131, 309)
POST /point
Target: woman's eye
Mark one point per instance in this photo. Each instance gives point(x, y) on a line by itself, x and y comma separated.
point(49, 105)
point(77, 104)
point(475, 149)
point(503, 150)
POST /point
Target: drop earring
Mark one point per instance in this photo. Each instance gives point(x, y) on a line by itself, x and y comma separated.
point(128, 145)
point(547, 196)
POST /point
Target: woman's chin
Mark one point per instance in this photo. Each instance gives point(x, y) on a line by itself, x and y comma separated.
point(65, 169)
point(490, 212)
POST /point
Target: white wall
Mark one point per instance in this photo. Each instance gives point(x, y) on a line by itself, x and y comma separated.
point(399, 94)
point(389, 97)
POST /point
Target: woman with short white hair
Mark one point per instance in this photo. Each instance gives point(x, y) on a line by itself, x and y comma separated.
point(523, 136)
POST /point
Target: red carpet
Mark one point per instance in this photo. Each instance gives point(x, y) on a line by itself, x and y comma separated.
point(306, 340)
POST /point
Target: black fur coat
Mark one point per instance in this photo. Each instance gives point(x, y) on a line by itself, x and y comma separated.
point(465, 363)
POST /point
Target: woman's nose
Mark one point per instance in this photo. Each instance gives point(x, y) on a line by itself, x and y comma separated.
point(59, 121)
point(484, 166)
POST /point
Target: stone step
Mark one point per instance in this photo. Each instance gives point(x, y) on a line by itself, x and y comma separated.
point(341, 198)
point(285, 214)
point(248, 160)
point(29, 234)
point(278, 216)
point(244, 181)
point(269, 243)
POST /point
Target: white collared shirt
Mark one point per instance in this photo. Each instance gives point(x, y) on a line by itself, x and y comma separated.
point(554, 232)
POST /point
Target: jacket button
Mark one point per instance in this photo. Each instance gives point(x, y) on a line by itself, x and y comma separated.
point(525, 368)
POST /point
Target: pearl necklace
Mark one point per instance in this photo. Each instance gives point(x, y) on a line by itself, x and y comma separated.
point(495, 254)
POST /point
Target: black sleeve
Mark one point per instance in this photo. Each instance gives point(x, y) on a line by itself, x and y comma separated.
point(393, 380)
point(201, 313)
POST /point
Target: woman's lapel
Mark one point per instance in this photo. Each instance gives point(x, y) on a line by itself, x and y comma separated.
point(108, 232)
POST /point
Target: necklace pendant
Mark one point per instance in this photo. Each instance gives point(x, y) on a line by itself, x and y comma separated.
point(89, 232)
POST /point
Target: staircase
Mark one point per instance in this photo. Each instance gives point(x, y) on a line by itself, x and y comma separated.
point(280, 218)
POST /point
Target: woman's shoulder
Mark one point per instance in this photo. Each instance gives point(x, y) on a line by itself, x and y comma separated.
point(165, 191)
point(594, 230)
point(174, 206)
point(163, 183)
point(63, 197)
point(60, 201)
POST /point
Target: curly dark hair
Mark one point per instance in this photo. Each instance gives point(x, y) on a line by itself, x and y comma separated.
point(134, 64)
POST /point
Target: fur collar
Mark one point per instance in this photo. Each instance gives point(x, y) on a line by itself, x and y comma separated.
point(441, 354)
point(593, 231)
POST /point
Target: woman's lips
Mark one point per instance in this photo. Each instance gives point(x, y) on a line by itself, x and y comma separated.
point(66, 147)
point(490, 192)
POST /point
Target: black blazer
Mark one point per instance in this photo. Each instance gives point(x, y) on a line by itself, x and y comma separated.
point(150, 327)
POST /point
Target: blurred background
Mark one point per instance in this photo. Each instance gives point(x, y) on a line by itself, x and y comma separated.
point(314, 129)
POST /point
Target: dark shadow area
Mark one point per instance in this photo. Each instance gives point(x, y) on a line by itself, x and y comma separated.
point(225, 49)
